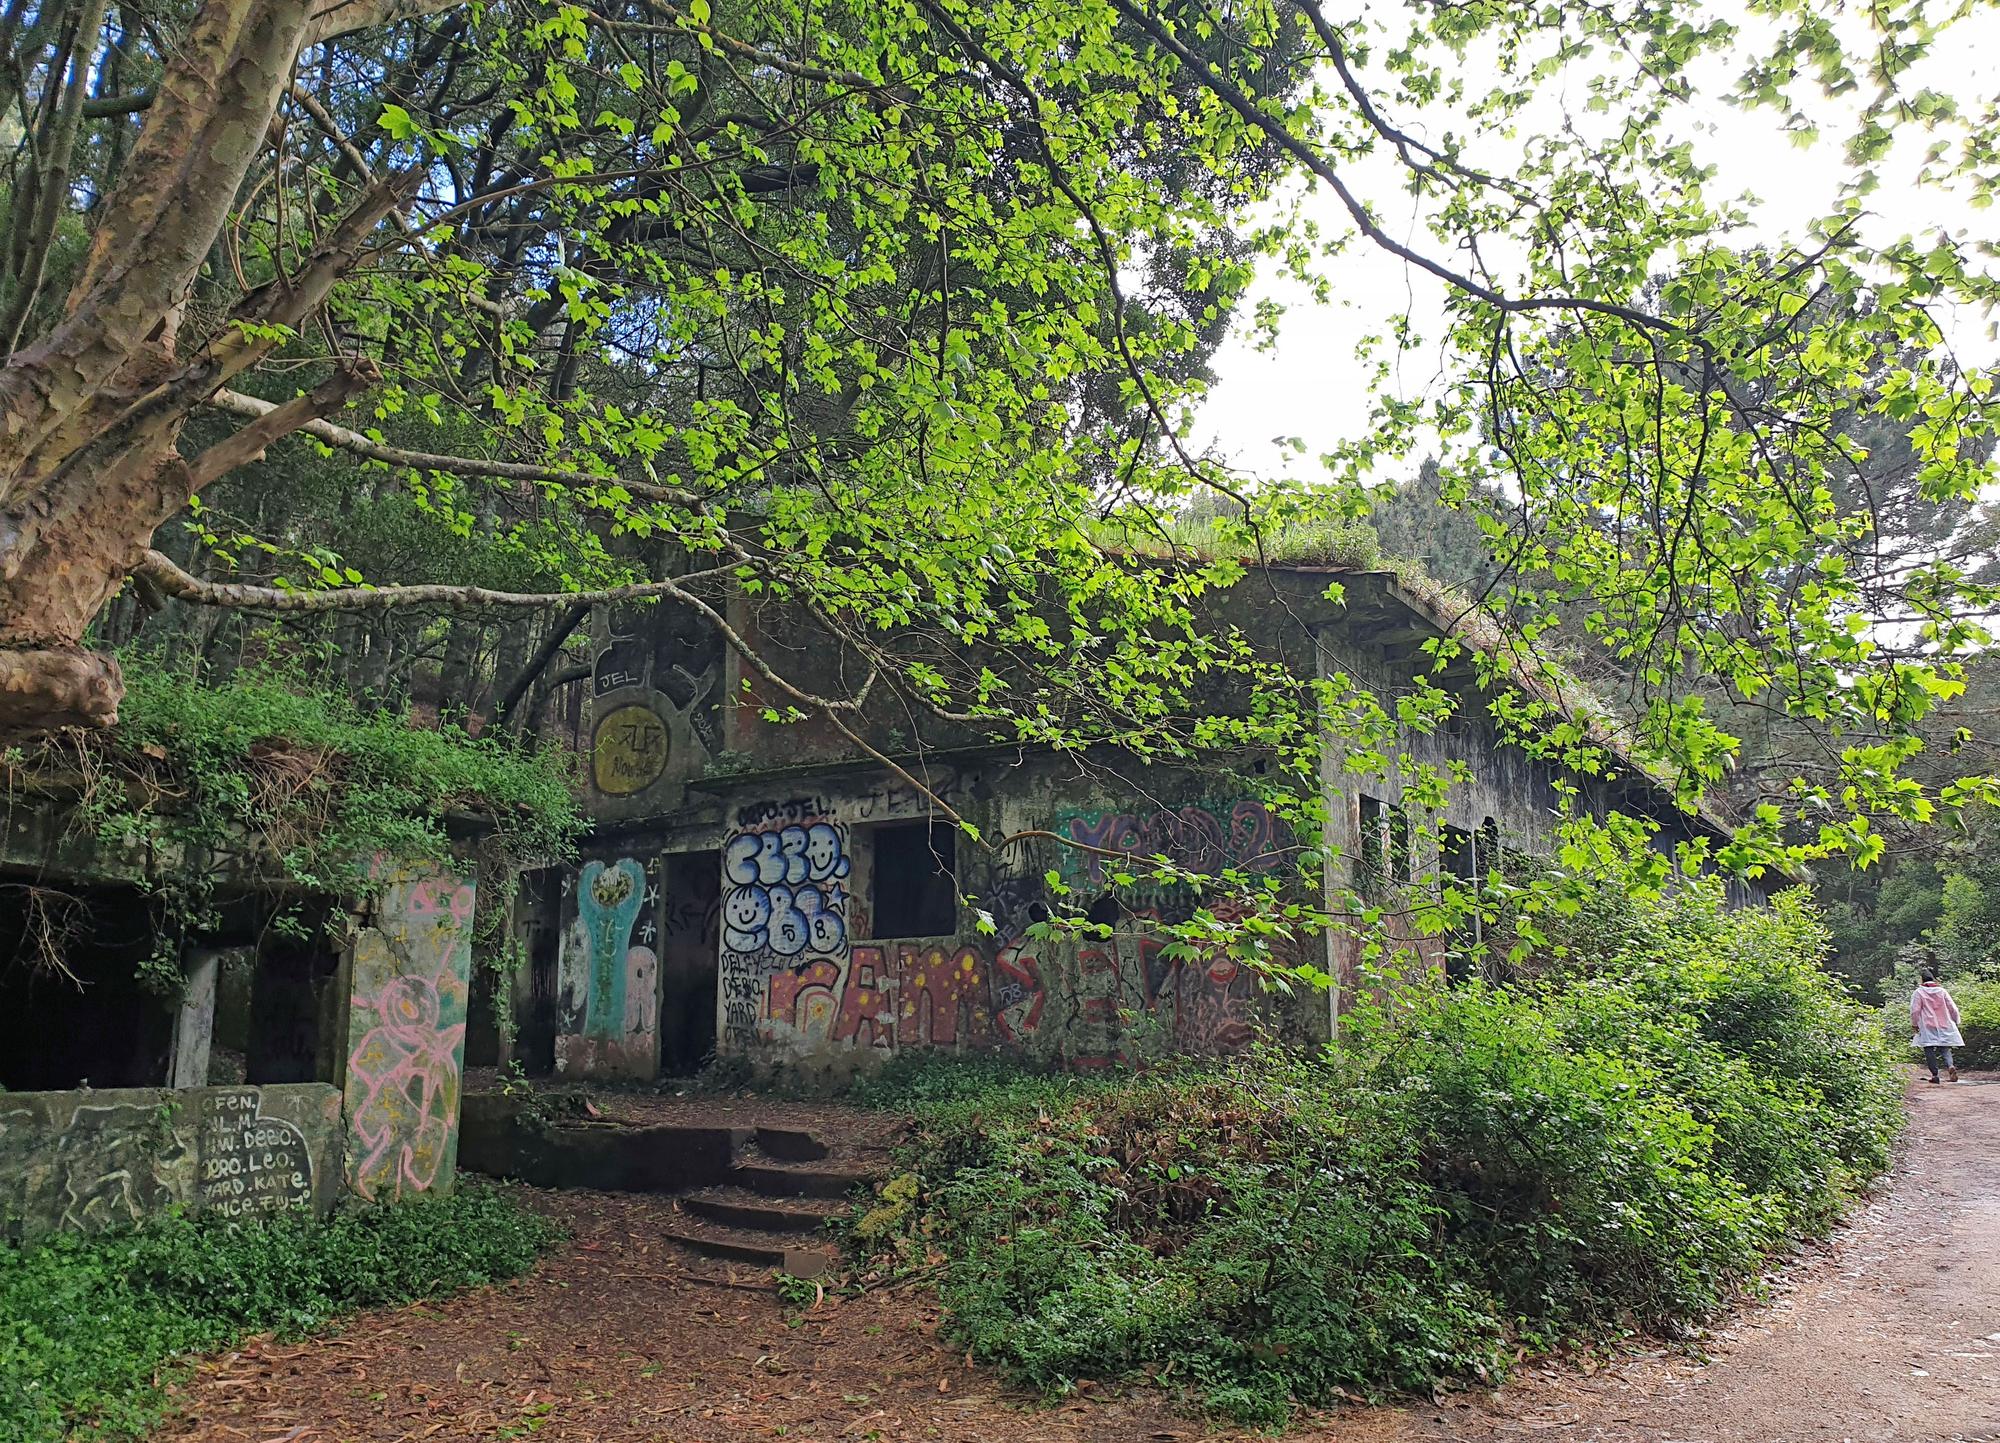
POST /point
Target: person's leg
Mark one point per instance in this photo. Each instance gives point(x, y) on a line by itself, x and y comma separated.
point(1950, 1067)
point(1931, 1061)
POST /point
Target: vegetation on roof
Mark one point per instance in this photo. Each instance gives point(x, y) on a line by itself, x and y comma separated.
point(269, 777)
point(1346, 544)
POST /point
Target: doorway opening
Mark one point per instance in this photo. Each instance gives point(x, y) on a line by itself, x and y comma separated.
point(535, 1022)
point(692, 892)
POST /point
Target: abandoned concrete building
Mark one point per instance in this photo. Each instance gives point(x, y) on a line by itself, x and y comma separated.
point(771, 893)
point(764, 896)
point(300, 1063)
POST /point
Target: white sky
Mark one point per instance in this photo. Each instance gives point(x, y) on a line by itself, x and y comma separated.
point(1313, 385)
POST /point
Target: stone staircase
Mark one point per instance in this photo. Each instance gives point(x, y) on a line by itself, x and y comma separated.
point(760, 1195)
point(774, 1206)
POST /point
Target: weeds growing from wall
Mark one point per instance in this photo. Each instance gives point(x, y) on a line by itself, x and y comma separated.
point(89, 1326)
point(280, 782)
point(1617, 1144)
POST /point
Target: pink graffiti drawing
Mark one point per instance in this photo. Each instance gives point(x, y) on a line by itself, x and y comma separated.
point(867, 1006)
point(406, 1073)
point(806, 999)
point(438, 899)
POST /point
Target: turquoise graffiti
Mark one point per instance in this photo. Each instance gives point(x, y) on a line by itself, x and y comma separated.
point(608, 900)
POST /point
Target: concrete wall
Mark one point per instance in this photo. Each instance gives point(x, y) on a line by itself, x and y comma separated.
point(406, 1035)
point(805, 978)
point(788, 816)
point(88, 1160)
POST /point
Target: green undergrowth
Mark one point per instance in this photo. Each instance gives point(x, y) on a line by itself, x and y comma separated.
point(90, 1327)
point(1617, 1145)
point(270, 776)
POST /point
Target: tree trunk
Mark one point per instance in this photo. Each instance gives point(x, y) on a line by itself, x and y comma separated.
point(91, 413)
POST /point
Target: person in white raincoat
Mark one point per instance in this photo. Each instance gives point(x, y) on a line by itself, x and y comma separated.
point(1935, 1017)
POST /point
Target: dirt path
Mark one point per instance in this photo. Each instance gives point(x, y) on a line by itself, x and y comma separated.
point(1892, 1333)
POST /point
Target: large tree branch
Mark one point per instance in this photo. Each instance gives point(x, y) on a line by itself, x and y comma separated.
point(344, 17)
point(559, 633)
point(106, 106)
point(252, 441)
point(238, 404)
point(162, 572)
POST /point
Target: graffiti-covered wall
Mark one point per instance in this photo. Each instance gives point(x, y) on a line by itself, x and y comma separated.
point(92, 1159)
point(808, 981)
point(608, 973)
point(656, 688)
point(792, 894)
point(787, 879)
point(406, 1036)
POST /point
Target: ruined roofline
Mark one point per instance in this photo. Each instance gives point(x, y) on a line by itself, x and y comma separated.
point(1542, 679)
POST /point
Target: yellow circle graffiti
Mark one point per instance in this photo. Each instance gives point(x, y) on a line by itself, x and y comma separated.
point(628, 752)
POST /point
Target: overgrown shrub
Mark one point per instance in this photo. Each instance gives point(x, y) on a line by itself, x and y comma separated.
point(87, 1323)
point(1617, 1143)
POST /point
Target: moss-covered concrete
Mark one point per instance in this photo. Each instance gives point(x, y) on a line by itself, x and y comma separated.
point(92, 1159)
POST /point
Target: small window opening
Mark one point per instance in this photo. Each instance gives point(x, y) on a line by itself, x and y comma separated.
point(73, 1011)
point(1399, 866)
point(1486, 849)
point(915, 889)
point(1372, 857)
point(1459, 858)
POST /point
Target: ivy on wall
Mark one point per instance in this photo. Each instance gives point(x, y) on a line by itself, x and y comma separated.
point(283, 785)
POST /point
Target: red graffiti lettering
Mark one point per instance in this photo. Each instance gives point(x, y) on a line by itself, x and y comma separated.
point(938, 993)
point(867, 1006)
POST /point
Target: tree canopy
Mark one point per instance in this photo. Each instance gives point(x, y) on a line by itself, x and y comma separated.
point(901, 312)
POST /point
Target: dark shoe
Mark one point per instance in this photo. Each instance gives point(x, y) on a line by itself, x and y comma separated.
point(1934, 1079)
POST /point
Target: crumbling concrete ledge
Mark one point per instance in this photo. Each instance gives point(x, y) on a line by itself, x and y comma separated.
point(89, 1159)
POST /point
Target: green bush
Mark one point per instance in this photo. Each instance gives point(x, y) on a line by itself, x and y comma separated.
point(1978, 1002)
point(1618, 1142)
point(86, 1323)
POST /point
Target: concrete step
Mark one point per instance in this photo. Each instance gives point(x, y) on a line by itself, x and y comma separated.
point(778, 1179)
point(791, 1144)
point(771, 1250)
point(737, 1207)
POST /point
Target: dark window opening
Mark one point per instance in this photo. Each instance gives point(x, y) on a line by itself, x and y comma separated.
point(1372, 855)
point(1459, 862)
point(1382, 861)
point(1486, 850)
point(915, 889)
point(690, 931)
point(298, 999)
point(1472, 859)
point(72, 1007)
point(87, 995)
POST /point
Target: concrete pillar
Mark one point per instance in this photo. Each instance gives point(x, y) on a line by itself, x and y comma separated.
point(194, 1023)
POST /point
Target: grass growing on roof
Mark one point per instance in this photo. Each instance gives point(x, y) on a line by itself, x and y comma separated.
point(285, 779)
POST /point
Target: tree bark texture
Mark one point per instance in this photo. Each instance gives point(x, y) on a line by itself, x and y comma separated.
point(91, 412)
